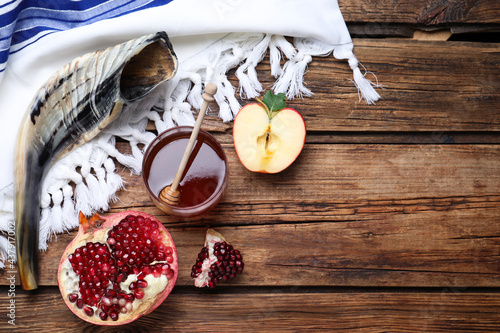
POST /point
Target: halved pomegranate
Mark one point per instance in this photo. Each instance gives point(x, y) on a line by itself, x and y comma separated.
point(118, 268)
point(217, 261)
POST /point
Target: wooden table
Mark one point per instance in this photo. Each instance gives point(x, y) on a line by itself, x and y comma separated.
point(388, 221)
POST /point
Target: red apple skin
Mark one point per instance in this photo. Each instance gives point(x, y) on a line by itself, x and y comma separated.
point(299, 127)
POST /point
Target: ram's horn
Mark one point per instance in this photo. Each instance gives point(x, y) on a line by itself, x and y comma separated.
point(72, 107)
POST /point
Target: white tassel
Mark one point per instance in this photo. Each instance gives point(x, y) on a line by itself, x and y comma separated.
point(365, 86)
point(56, 225)
point(250, 86)
point(291, 81)
point(194, 98)
point(167, 119)
point(229, 105)
point(279, 45)
point(44, 226)
point(69, 215)
point(113, 180)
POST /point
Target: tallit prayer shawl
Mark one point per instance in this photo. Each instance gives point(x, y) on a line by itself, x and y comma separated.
point(210, 37)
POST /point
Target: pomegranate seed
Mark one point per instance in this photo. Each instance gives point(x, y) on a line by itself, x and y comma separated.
point(79, 303)
point(103, 315)
point(121, 277)
point(88, 311)
point(170, 274)
point(129, 306)
point(164, 270)
point(142, 284)
point(106, 301)
point(132, 286)
point(113, 315)
point(129, 297)
point(105, 267)
point(122, 302)
point(73, 297)
point(139, 293)
point(156, 271)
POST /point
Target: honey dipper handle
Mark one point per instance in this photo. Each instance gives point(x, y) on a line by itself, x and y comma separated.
point(208, 96)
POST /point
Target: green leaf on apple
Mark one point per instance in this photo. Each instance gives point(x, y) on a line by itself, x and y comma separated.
point(273, 103)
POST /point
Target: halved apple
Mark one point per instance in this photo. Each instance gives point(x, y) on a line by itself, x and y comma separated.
point(268, 140)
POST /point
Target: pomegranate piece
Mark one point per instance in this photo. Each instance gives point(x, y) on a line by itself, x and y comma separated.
point(217, 261)
point(117, 268)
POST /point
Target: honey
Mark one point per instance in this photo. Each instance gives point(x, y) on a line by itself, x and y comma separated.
point(204, 178)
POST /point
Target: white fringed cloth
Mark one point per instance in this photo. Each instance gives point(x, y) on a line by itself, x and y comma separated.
point(210, 37)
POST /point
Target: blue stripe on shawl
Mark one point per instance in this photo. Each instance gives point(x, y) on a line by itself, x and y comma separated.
point(27, 21)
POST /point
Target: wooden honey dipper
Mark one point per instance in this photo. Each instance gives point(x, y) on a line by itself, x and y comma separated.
point(170, 194)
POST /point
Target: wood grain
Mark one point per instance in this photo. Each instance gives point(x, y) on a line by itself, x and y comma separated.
point(422, 12)
point(358, 173)
point(399, 215)
point(280, 311)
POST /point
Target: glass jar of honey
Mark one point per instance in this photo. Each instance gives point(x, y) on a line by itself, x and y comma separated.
point(205, 177)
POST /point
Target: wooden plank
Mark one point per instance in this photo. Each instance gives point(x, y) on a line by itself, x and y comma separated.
point(454, 248)
point(350, 173)
point(428, 13)
point(370, 215)
point(278, 311)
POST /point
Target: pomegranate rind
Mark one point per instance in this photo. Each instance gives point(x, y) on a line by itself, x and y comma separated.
point(213, 237)
point(95, 230)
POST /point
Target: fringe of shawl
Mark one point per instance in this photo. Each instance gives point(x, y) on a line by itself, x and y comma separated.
point(96, 182)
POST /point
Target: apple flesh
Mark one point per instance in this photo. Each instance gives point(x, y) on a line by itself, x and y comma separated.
point(268, 143)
